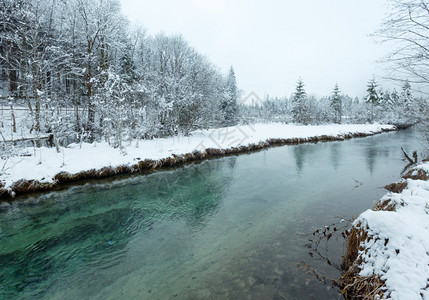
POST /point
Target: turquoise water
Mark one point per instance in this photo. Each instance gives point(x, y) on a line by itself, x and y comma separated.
point(229, 228)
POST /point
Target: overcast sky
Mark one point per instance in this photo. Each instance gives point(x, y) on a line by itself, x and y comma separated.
point(272, 43)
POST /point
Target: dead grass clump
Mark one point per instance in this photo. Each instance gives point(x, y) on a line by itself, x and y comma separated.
point(167, 162)
point(416, 174)
point(396, 187)
point(212, 152)
point(62, 177)
point(124, 169)
point(29, 186)
point(386, 205)
point(294, 141)
point(145, 164)
point(155, 164)
point(180, 159)
point(135, 168)
point(229, 151)
point(277, 141)
point(259, 146)
point(361, 287)
point(199, 154)
point(188, 157)
point(355, 237)
point(105, 172)
point(241, 149)
point(354, 286)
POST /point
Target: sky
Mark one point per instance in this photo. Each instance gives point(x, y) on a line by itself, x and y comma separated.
point(273, 43)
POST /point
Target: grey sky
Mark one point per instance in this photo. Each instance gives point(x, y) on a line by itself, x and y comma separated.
point(272, 43)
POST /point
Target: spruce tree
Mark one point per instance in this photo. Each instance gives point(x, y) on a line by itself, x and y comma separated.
point(299, 104)
point(336, 104)
point(372, 94)
point(406, 99)
point(229, 103)
point(373, 100)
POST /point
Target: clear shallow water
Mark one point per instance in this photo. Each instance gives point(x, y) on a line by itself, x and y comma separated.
point(230, 228)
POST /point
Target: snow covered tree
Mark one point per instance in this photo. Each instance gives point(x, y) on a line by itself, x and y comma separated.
point(299, 104)
point(372, 100)
point(405, 28)
point(81, 69)
point(229, 104)
point(406, 99)
point(372, 96)
point(336, 105)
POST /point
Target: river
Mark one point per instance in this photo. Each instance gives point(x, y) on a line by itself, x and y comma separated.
point(228, 228)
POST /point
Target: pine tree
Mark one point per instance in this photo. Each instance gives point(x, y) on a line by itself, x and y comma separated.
point(299, 104)
point(229, 104)
point(336, 104)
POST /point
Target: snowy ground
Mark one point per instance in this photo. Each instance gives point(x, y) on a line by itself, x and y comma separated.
point(43, 164)
point(23, 121)
point(398, 251)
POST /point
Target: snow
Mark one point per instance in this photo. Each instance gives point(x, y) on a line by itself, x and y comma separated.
point(43, 164)
point(23, 123)
point(398, 251)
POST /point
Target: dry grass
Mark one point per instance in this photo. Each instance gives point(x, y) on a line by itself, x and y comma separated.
point(354, 244)
point(386, 205)
point(397, 187)
point(354, 286)
point(416, 174)
point(361, 287)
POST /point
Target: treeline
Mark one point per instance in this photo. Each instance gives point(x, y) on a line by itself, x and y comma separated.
point(378, 105)
point(83, 73)
point(117, 82)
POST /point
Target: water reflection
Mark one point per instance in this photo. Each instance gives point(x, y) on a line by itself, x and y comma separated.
point(371, 154)
point(301, 153)
point(375, 148)
point(335, 154)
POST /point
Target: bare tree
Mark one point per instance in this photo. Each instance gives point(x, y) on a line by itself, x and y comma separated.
point(406, 27)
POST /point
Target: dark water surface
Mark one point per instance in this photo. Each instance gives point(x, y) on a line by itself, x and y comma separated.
point(230, 228)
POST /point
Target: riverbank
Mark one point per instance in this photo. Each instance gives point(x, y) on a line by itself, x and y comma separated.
point(388, 246)
point(42, 169)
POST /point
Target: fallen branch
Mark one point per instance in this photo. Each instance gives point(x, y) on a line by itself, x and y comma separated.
point(409, 158)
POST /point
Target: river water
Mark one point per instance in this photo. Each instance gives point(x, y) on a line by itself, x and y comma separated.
point(228, 228)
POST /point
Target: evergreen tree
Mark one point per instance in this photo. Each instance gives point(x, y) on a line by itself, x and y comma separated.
point(372, 100)
point(336, 104)
point(372, 94)
point(229, 104)
point(299, 104)
point(387, 101)
point(406, 99)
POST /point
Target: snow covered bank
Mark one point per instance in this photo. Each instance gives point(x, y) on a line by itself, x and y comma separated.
point(388, 248)
point(36, 169)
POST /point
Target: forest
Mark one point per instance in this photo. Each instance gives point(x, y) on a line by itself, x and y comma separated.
point(78, 70)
